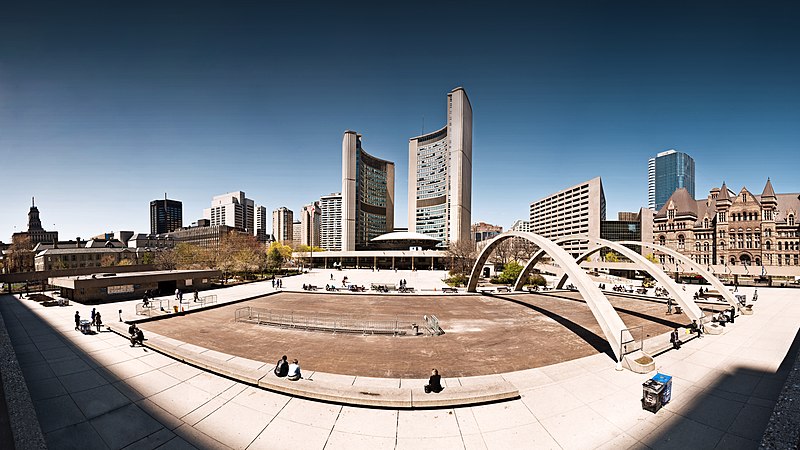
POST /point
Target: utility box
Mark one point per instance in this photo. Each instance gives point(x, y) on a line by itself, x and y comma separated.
point(656, 392)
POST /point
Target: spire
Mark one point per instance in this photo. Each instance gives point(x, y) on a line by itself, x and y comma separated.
point(723, 192)
point(769, 192)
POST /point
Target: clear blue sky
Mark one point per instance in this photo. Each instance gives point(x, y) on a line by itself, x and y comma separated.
point(105, 107)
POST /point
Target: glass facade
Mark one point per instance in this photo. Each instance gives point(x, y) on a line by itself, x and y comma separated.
point(432, 186)
point(371, 194)
point(673, 170)
point(166, 216)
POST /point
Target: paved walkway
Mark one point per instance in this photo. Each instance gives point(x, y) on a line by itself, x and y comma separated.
point(94, 391)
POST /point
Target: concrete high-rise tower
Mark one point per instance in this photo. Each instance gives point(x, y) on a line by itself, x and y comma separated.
point(367, 194)
point(667, 172)
point(232, 209)
point(330, 229)
point(283, 225)
point(440, 175)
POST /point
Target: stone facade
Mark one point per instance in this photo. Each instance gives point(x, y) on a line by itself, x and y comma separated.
point(732, 229)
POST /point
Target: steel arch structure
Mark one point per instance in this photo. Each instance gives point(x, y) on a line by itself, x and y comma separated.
point(613, 327)
point(714, 281)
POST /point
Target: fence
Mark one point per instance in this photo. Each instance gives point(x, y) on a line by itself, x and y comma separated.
point(395, 326)
point(633, 342)
point(170, 305)
point(432, 323)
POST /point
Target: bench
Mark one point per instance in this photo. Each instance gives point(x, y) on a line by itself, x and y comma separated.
point(260, 374)
point(450, 290)
point(406, 290)
point(503, 289)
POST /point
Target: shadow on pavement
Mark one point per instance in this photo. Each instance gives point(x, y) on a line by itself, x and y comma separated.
point(78, 402)
point(731, 413)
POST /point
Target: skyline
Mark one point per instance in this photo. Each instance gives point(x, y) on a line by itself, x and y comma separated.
point(104, 110)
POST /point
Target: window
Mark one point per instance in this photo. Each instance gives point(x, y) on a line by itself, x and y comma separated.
point(671, 214)
point(768, 244)
point(662, 240)
point(681, 242)
point(791, 219)
point(705, 223)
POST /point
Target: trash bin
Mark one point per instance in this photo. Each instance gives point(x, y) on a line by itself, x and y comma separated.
point(651, 395)
point(656, 392)
point(666, 393)
point(414, 329)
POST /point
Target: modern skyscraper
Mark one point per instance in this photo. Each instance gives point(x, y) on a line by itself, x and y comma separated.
point(261, 223)
point(166, 216)
point(232, 209)
point(667, 172)
point(367, 194)
point(575, 210)
point(283, 225)
point(440, 175)
point(330, 229)
point(310, 224)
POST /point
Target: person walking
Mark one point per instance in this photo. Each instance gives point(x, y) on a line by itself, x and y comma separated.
point(196, 295)
point(98, 321)
point(669, 305)
point(77, 321)
point(675, 339)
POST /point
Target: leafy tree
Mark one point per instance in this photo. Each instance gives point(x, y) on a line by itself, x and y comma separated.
point(302, 248)
point(19, 256)
point(611, 257)
point(166, 260)
point(148, 258)
point(108, 261)
point(652, 258)
point(510, 273)
point(537, 280)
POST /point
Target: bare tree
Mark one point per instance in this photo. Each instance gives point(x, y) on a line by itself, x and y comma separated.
point(462, 255)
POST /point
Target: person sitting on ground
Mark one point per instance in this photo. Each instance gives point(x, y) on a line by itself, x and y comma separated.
point(434, 383)
point(294, 371)
point(282, 367)
point(136, 335)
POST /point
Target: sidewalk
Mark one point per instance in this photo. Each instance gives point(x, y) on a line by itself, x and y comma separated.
point(97, 392)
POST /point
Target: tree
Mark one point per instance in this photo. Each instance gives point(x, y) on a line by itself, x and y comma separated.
point(510, 273)
point(611, 257)
point(277, 254)
point(302, 248)
point(20, 254)
point(166, 259)
point(107, 261)
point(652, 258)
point(148, 258)
point(462, 255)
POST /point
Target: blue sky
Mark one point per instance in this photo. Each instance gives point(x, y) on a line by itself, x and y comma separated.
point(106, 107)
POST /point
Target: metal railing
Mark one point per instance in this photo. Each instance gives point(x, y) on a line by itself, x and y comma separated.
point(634, 342)
point(396, 326)
point(432, 322)
point(171, 305)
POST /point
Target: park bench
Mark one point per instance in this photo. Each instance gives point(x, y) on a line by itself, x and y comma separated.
point(449, 290)
point(406, 289)
point(503, 289)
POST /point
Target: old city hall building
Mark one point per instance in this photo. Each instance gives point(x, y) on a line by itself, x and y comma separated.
point(731, 229)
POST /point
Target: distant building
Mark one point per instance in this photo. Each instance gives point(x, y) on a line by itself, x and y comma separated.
point(297, 231)
point(732, 229)
point(35, 233)
point(283, 225)
point(72, 258)
point(483, 231)
point(667, 172)
point(330, 229)
point(630, 226)
point(165, 215)
point(367, 194)
point(575, 210)
point(262, 233)
point(440, 175)
point(310, 225)
point(232, 209)
point(521, 225)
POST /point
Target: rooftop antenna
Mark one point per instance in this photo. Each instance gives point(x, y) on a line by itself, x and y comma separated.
point(165, 195)
point(423, 125)
point(33, 202)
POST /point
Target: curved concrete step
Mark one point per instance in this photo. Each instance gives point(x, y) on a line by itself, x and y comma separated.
point(639, 362)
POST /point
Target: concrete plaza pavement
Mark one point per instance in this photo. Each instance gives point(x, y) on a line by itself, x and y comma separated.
point(94, 391)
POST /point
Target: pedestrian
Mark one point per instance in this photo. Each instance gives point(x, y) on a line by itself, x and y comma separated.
point(273, 283)
point(331, 276)
point(145, 300)
point(675, 339)
point(196, 295)
point(282, 367)
point(93, 313)
point(669, 305)
point(294, 371)
point(77, 321)
point(434, 383)
point(98, 321)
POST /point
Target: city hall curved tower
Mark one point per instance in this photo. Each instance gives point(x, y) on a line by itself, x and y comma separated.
point(367, 194)
point(440, 175)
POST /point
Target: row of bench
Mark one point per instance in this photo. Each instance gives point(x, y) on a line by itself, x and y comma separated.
point(259, 374)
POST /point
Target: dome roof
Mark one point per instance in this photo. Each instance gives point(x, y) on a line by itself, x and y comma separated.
point(404, 236)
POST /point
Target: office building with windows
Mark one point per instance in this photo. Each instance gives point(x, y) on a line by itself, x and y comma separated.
point(440, 175)
point(483, 231)
point(166, 216)
point(261, 220)
point(330, 222)
point(667, 172)
point(575, 210)
point(367, 194)
point(310, 224)
point(232, 209)
point(283, 225)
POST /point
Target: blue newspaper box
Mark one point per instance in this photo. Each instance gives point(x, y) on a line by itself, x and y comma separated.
point(666, 380)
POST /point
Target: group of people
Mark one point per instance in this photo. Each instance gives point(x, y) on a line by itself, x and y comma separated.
point(289, 370)
point(179, 295)
point(700, 293)
point(309, 287)
point(96, 320)
point(722, 317)
point(277, 283)
point(136, 335)
point(661, 292)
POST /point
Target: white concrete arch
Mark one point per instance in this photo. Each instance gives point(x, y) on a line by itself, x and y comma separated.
point(714, 281)
point(682, 297)
point(613, 327)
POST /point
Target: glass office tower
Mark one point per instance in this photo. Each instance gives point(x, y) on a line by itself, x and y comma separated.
point(667, 172)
